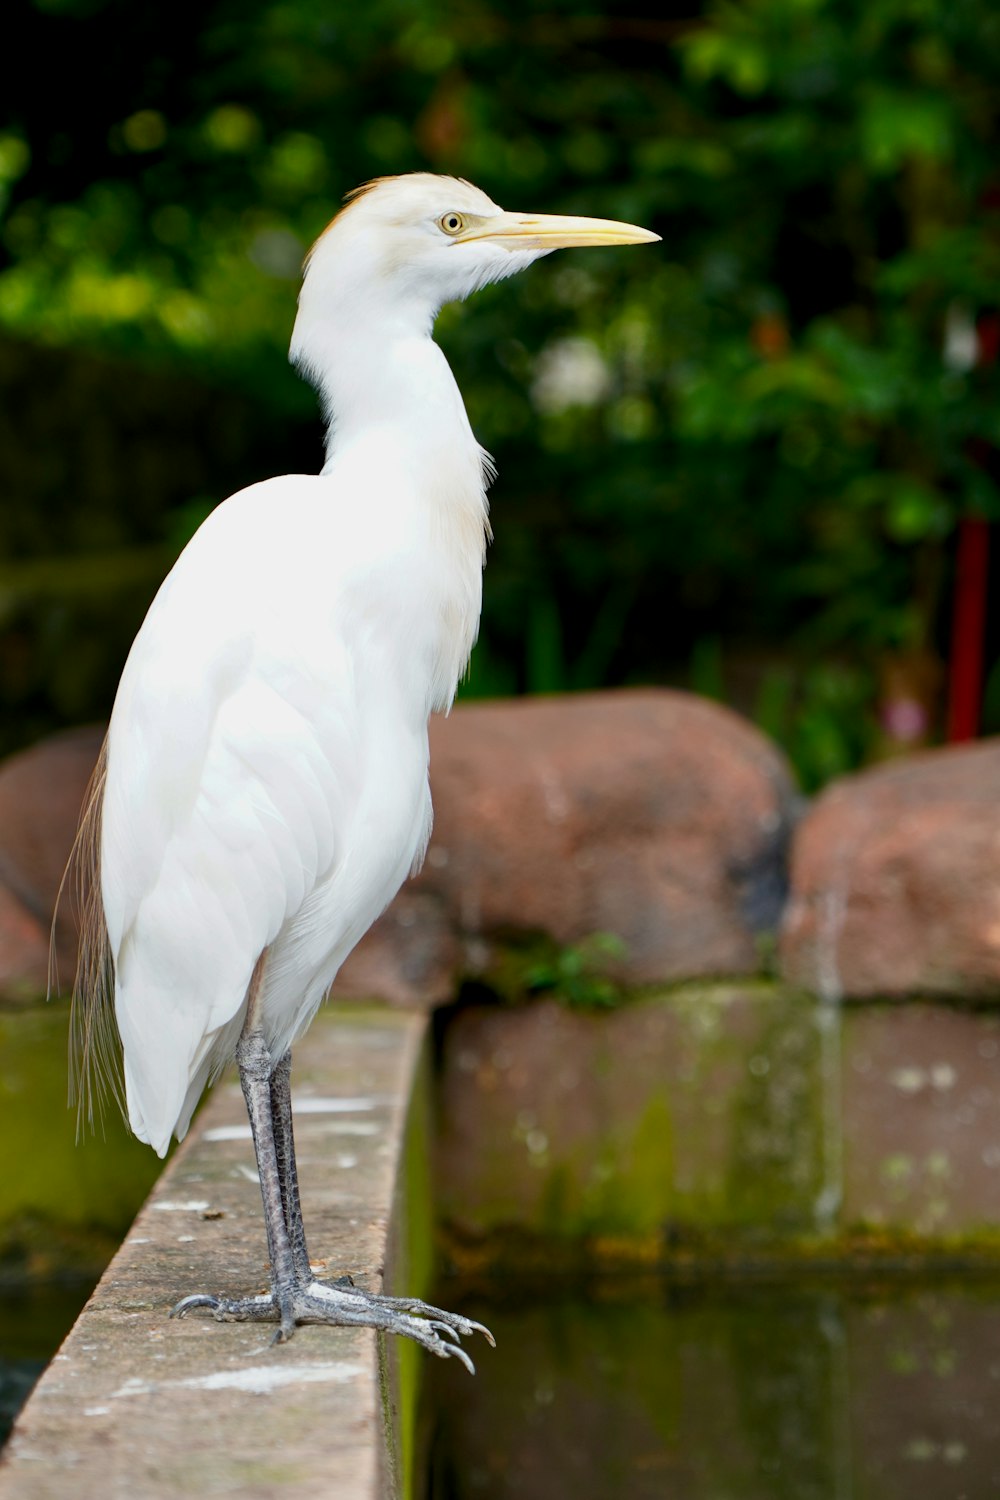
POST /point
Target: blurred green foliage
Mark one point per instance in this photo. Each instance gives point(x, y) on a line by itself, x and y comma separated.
point(743, 452)
point(579, 973)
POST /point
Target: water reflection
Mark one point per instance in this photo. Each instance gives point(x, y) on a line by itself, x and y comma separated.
point(755, 1393)
point(32, 1324)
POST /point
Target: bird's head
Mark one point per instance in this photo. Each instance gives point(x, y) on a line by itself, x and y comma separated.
point(403, 246)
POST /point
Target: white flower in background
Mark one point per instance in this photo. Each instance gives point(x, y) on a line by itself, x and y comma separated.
point(570, 372)
point(961, 340)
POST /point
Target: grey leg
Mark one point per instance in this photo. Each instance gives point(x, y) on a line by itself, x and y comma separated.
point(294, 1296)
point(254, 1063)
point(284, 1142)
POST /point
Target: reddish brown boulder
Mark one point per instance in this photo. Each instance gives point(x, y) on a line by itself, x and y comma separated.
point(651, 814)
point(896, 880)
point(41, 792)
point(24, 948)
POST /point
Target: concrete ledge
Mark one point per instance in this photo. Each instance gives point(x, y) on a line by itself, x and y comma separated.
point(134, 1405)
point(708, 1129)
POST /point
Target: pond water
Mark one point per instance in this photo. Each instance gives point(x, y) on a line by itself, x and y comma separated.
point(646, 1389)
point(33, 1323)
point(64, 1202)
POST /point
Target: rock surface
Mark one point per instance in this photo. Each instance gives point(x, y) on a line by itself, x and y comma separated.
point(650, 814)
point(896, 881)
point(41, 793)
point(689, 1120)
point(920, 1111)
point(654, 815)
point(719, 1122)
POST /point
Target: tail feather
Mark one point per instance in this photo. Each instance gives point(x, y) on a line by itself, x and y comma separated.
point(95, 1053)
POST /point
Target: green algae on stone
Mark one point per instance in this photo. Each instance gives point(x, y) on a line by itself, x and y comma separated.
point(723, 1123)
point(408, 1272)
point(921, 1120)
point(779, 1153)
point(72, 1194)
point(699, 1111)
point(624, 1189)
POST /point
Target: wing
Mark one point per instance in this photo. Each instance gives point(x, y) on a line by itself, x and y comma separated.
point(232, 762)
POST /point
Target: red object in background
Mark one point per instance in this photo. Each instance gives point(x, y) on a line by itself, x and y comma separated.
point(965, 676)
point(968, 621)
point(988, 338)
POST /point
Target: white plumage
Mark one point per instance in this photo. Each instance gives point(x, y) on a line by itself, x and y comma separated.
point(266, 786)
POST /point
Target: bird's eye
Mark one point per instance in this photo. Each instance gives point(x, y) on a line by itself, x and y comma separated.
point(451, 223)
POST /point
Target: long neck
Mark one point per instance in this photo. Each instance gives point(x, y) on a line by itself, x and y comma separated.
point(394, 378)
point(387, 386)
point(382, 371)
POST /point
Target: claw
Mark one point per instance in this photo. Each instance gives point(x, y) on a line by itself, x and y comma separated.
point(199, 1299)
point(445, 1329)
point(440, 1332)
point(482, 1328)
point(453, 1351)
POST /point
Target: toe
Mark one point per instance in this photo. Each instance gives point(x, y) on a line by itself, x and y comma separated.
point(199, 1299)
point(455, 1351)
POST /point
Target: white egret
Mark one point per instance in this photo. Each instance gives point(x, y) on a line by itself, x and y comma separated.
point(263, 790)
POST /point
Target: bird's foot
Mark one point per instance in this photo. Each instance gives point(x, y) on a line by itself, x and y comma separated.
point(341, 1303)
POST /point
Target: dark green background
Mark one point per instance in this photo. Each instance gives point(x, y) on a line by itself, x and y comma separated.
point(759, 495)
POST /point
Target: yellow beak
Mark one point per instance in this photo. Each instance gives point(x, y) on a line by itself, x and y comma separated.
point(554, 232)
